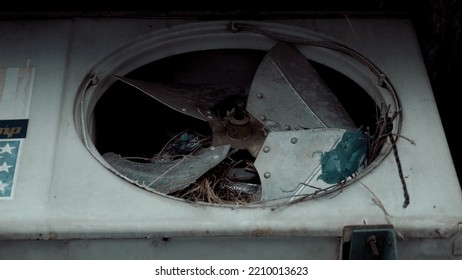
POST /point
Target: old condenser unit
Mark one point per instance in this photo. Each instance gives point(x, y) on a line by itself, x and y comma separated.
point(303, 138)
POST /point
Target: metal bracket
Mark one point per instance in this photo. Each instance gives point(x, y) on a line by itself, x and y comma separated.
point(376, 242)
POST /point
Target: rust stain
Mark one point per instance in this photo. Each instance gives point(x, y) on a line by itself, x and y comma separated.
point(262, 232)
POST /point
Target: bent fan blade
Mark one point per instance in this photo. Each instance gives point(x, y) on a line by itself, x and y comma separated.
point(288, 93)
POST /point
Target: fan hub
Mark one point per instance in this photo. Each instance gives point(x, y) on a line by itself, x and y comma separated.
point(238, 125)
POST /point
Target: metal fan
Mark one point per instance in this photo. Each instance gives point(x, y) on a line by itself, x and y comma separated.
point(288, 118)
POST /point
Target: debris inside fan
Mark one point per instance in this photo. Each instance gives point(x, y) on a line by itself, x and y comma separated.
point(344, 160)
point(183, 144)
point(234, 181)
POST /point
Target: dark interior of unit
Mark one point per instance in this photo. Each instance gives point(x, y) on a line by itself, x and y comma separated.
point(132, 124)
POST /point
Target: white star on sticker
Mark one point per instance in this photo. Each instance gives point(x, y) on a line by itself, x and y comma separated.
point(7, 149)
point(3, 186)
point(5, 167)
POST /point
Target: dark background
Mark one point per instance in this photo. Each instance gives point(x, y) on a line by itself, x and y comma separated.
point(438, 24)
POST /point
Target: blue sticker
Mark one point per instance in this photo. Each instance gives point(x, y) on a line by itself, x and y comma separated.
point(8, 157)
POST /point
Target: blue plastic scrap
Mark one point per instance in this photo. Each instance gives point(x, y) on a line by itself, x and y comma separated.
point(345, 159)
point(187, 142)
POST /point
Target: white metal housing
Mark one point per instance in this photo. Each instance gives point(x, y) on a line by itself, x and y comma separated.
point(67, 204)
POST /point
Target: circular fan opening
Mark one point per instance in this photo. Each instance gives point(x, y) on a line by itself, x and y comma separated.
point(244, 139)
point(139, 128)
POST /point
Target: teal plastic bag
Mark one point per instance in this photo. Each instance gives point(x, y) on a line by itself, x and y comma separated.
point(345, 159)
